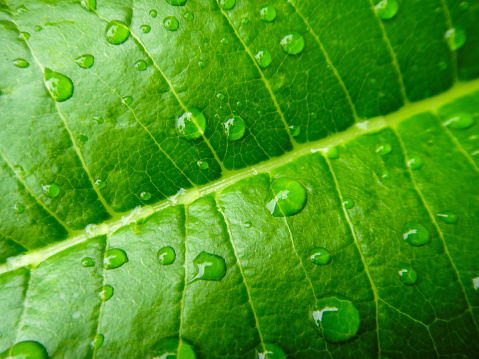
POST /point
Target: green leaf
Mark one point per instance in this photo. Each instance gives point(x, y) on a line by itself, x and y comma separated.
point(291, 178)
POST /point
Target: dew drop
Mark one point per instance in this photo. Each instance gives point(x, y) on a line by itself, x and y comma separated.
point(384, 149)
point(247, 224)
point(267, 13)
point(320, 256)
point(337, 319)
point(455, 37)
point(127, 100)
point(244, 21)
point(407, 274)
point(85, 61)
point(387, 9)
point(263, 58)
point(97, 342)
point(414, 162)
point(19, 170)
point(220, 96)
point(27, 349)
point(98, 119)
point(82, 137)
point(166, 256)
point(286, 197)
point(234, 128)
point(269, 351)
point(447, 217)
point(24, 35)
point(170, 348)
point(37, 28)
point(140, 65)
point(209, 267)
point(295, 130)
point(117, 32)
point(189, 16)
point(115, 258)
point(293, 43)
point(100, 184)
point(225, 41)
point(227, 4)
point(203, 165)
point(88, 4)
point(176, 2)
point(416, 234)
point(202, 64)
point(20, 63)
point(145, 29)
point(59, 86)
point(386, 176)
point(51, 190)
point(106, 293)
point(348, 202)
point(332, 153)
point(191, 124)
point(145, 196)
point(18, 208)
point(87, 262)
point(153, 13)
point(171, 23)
point(459, 121)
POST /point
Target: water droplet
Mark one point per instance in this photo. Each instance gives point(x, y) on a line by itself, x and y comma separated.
point(267, 13)
point(87, 262)
point(153, 13)
point(115, 258)
point(209, 267)
point(106, 293)
point(166, 255)
point(38, 28)
point(386, 176)
point(98, 341)
point(24, 35)
point(145, 196)
point(191, 124)
point(247, 224)
point(225, 41)
point(51, 190)
point(203, 165)
point(59, 86)
point(171, 23)
point(100, 183)
point(244, 21)
point(127, 100)
point(234, 128)
point(82, 137)
point(387, 9)
point(20, 63)
point(140, 65)
point(286, 197)
point(176, 2)
point(227, 4)
point(117, 32)
point(332, 153)
point(448, 217)
point(295, 130)
point(18, 208)
point(348, 202)
point(98, 119)
point(414, 162)
point(202, 64)
point(85, 61)
point(320, 256)
point(459, 121)
point(475, 283)
point(145, 29)
point(19, 170)
point(416, 234)
point(263, 58)
point(314, 115)
point(384, 149)
point(337, 319)
point(455, 37)
point(27, 349)
point(269, 351)
point(88, 4)
point(407, 274)
point(189, 16)
point(170, 348)
point(293, 43)
point(220, 96)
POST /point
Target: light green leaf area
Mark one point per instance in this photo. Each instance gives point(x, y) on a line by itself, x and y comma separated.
point(239, 179)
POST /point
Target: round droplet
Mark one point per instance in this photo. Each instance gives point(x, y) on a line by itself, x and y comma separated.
point(234, 128)
point(386, 176)
point(384, 149)
point(286, 197)
point(88, 4)
point(269, 351)
point(20, 63)
point(191, 124)
point(448, 217)
point(225, 41)
point(127, 100)
point(416, 234)
point(106, 293)
point(145, 196)
point(337, 319)
point(117, 32)
point(170, 348)
point(293, 43)
point(140, 65)
point(87, 262)
point(153, 13)
point(82, 137)
point(171, 23)
point(166, 255)
point(227, 4)
point(220, 96)
point(320, 256)
point(115, 258)
point(460, 121)
point(18, 208)
point(263, 58)
point(51, 190)
point(407, 274)
point(100, 183)
point(414, 162)
point(24, 35)
point(145, 29)
point(59, 86)
point(97, 342)
point(98, 119)
point(295, 130)
point(189, 16)
point(387, 9)
point(176, 2)
point(348, 202)
point(202, 64)
point(28, 349)
point(455, 37)
point(37, 28)
point(85, 61)
point(247, 224)
point(267, 13)
point(203, 165)
point(244, 21)
point(332, 153)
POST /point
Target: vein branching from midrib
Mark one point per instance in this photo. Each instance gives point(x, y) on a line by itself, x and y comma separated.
point(15, 241)
point(185, 287)
point(238, 261)
point(21, 322)
point(447, 15)
point(438, 229)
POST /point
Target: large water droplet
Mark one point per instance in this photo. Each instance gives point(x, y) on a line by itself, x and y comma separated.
point(227, 4)
point(337, 319)
point(117, 32)
point(387, 9)
point(170, 348)
point(166, 255)
point(234, 128)
point(28, 349)
point(191, 124)
point(153, 13)
point(269, 351)
point(18, 208)
point(87, 262)
point(59, 86)
point(209, 267)
point(140, 65)
point(267, 13)
point(106, 293)
point(293, 43)
point(263, 58)
point(407, 274)
point(416, 234)
point(384, 149)
point(332, 153)
point(51, 190)
point(455, 37)
point(459, 121)
point(448, 217)
point(286, 197)
point(171, 23)
point(20, 63)
point(320, 256)
point(145, 29)
point(85, 61)
point(176, 2)
point(115, 258)
point(414, 162)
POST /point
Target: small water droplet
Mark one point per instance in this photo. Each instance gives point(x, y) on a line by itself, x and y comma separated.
point(87, 262)
point(286, 197)
point(414, 162)
point(189, 16)
point(203, 165)
point(386, 176)
point(227, 4)
point(24, 35)
point(348, 202)
point(100, 183)
point(247, 224)
point(171, 23)
point(448, 217)
point(295, 130)
point(106, 293)
point(225, 41)
point(267, 13)
point(220, 96)
point(145, 196)
point(82, 137)
point(263, 58)
point(191, 124)
point(455, 37)
point(166, 255)
point(115, 258)
point(416, 234)
point(59, 86)
point(202, 64)
point(20, 63)
point(460, 121)
point(117, 32)
point(51, 190)
point(269, 351)
point(176, 2)
point(384, 149)
point(140, 65)
point(209, 267)
point(170, 348)
point(97, 342)
point(88, 4)
point(19, 170)
point(98, 119)
point(145, 28)
point(18, 208)
point(85, 61)
point(153, 13)
point(320, 256)
point(407, 274)
point(244, 21)
point(293, 43)
point(127, 100)
point(234, 128)
point(387, 9)
point(333, 153)
point(27, 349)
point(38, 28)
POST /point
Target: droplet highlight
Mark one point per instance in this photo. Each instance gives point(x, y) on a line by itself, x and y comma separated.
point(269, 351)
point(20, 63)
point(106, 293)
point(145, 29)
point(100, 184)
point(145, 196)
point(455, 38)
point(384, 149)
point(414, 162)
point(286, 197)
point(87, 262)
point(153, 13)
point(209, 267)
point(460, 121)
point(227, 4)
point(140, 65)
point(115, 258)
point(448, 217)
point(203, 165)
point(27, 349)
point(127, 100)
point(18, 208)
point(348, 203)
point(332, 153)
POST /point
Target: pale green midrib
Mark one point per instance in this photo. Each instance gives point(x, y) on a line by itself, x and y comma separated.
point(447, 15)
point(393, 119)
